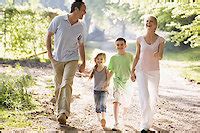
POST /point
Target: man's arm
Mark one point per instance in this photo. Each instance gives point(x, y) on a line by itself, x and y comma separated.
point(82, 55)
point(48, 45)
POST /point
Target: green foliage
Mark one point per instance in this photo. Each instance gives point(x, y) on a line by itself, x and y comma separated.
point(185, 24)
point(135, 15)
point(24, 30)
point(13, 118)
point(118, 11)
point(95, 8)
point(192, 73)
point(182, 21)
point(13, 91)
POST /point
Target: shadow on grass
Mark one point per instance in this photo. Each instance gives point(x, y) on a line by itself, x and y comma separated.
point(32, 63)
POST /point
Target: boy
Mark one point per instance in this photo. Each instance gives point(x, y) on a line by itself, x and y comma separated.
point(120, 66)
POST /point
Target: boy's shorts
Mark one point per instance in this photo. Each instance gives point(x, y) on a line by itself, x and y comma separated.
point(122, 95)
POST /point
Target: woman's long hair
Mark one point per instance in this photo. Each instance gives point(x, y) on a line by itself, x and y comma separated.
point(95, 66)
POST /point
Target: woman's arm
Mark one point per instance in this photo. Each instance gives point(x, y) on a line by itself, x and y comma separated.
point(133, 77)
point(159, 53)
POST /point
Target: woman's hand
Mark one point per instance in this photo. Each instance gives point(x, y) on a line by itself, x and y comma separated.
point(157, 55)
point(133, 76)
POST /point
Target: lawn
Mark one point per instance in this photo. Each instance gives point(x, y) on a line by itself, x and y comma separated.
point(191, 58)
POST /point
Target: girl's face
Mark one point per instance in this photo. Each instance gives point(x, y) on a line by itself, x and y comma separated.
point(99, 60)
point(151, 23)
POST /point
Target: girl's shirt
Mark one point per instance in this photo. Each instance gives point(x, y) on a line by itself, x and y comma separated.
point(147, 61)
point(99, 79)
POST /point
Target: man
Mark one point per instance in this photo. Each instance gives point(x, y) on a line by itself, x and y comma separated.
point(68, 40)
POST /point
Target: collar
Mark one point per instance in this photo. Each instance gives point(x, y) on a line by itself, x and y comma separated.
point(66, 18)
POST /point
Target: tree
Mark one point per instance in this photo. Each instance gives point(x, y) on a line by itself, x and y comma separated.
point(118, 12)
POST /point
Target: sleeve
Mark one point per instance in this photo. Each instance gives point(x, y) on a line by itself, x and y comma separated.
point(54, 25)
point(110, 66)
point(162, 40)
point(81, 37)
point(139, 39)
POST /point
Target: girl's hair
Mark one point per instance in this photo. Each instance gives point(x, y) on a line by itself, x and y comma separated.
point(120, 39)
point(76, 4)
point(95, 66)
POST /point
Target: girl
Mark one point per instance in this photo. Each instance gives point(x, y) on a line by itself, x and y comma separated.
point(100, 74)
point(149, 50)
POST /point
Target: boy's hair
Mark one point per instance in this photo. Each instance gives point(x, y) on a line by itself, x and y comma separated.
point(121, 39)
point(76, 4)
point(95, 67)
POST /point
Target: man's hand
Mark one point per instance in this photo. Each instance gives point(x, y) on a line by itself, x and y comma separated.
point(82, 68)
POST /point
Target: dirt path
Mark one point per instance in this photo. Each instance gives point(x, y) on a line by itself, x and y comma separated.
point(178, 106)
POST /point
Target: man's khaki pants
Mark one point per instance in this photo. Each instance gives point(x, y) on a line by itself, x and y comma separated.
point(64, 74)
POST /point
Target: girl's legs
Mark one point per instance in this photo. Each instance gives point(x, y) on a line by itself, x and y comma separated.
point(103, 100)
point(103, 115)
point(103, 120)
point(97, 104)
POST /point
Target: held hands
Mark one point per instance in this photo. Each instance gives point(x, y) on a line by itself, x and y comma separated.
point(133, 76)
point(81, 67)
point(105, 85)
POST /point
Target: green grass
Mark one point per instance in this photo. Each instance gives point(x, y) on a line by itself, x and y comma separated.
point(190, 57)
point(13, 89)
point(12, 118)
point(192, 73)
point(190, 54)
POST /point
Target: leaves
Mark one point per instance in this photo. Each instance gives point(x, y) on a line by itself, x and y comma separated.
point(25, 29)
point(182, 21)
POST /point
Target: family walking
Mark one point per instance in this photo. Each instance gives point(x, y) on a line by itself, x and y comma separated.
point(123, 67)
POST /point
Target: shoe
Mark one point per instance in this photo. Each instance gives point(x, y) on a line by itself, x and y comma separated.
point(103, 123)
point(116, 127)
point(62, 119)
point(144, 130)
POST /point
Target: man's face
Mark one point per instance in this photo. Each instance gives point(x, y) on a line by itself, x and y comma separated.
point(82, 11)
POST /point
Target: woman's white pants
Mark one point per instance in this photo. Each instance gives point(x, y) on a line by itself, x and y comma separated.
point(148, 83)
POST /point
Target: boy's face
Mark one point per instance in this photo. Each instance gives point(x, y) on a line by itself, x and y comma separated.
point(120, 45)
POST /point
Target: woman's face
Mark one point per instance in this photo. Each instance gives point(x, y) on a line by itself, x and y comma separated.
point(151, 23)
